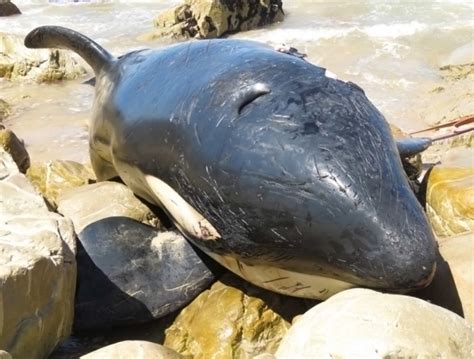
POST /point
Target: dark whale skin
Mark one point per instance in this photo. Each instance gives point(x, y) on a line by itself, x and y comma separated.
point(303, 175)
point(306, 177)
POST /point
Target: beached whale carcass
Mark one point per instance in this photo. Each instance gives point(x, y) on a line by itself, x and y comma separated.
point(287, 177)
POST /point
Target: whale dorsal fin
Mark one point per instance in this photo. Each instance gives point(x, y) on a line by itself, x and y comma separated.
point(61, 37)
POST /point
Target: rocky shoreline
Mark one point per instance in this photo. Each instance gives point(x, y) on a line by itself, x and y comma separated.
point(54, 226)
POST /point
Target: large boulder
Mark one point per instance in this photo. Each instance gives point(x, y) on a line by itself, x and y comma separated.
point(233, 319)
point(37, 268)
point(216, 18)
point(91, 203)
point(7, 8)
point(363, 323)
point(136, 349)
point(128, 272)
point(53, 177)
point(43, 65)
point(450, 198)
point(15, 147)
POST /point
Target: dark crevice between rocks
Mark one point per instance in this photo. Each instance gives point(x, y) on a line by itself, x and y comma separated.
point(442, 290)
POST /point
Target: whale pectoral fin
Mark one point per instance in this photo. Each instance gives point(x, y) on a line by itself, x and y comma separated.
point(186, 218)
point(409, 147)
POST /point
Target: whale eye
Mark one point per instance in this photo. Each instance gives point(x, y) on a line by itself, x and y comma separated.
point(249, 94)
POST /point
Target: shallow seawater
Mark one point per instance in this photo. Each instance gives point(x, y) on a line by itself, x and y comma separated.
point(391, 49)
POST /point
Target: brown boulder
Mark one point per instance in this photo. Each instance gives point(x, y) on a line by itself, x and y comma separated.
point(216, 18)
point(44, 65)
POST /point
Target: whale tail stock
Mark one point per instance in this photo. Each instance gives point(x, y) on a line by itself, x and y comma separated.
point(61, 37)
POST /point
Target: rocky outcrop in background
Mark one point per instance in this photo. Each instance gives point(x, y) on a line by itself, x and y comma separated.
point(207, 19)
point(43, 65)
point(233, 319)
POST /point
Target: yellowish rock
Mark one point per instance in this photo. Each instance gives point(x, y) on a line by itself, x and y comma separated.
point(16, 148)
point(223, 322)
point(37, 268)
point(361, 323)
point(136, 349)
point(53, 177)
point(450, 200)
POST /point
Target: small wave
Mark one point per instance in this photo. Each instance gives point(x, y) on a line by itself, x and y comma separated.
point(390, 31)
point(300, 35)
point(394, 30)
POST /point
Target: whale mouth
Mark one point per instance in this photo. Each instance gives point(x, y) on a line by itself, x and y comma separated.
point(283, 281)
point(423, 283)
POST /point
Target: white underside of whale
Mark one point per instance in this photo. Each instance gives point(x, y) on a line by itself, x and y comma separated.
point(279, 280)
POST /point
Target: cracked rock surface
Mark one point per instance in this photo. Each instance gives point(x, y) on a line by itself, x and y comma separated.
point(37, 268)
point(207, 19)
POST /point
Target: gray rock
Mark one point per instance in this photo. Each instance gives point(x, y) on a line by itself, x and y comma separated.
point(131, 273)
point(216, 18)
